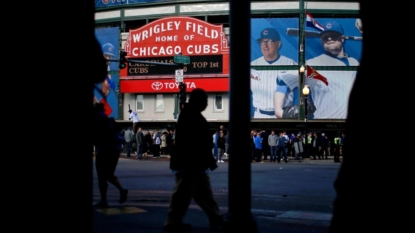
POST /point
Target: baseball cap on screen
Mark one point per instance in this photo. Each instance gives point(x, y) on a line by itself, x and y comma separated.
point(269, 33)
point(108, 49)
point(332, 27)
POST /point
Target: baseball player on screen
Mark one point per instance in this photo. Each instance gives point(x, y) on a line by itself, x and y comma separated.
point(263, 83)
point(287, 88)
point(331, 101)
point(108, 52)
point(107, 84)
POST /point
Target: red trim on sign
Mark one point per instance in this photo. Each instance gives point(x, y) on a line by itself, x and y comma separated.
point(170, 85)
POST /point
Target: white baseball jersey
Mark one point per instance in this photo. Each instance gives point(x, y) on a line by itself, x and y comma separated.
point(263, 86)
point(326, 60)
point(134, 117)
point(332, 101)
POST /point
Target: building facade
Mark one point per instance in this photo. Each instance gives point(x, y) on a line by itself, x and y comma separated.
point(156, 31)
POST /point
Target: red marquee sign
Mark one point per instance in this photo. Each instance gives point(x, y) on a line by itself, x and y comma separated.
point(171, 86)
point(173, 35)
point(160, 40)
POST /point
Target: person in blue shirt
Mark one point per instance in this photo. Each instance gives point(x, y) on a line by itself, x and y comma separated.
point(281, 148)
point(215, 142)
point(290, 145)
point(258, 147)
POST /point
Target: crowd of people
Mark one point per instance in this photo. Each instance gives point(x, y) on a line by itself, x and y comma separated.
point(159, 142)
point(273, 146)
point(281, 146)
point(142, 143)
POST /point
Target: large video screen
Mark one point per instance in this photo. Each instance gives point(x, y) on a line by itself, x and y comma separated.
point(329, 46)
point(106, 92)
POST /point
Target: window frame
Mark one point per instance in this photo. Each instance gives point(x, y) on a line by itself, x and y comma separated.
point(137, 101)
point(215, 100)
point(159, 97)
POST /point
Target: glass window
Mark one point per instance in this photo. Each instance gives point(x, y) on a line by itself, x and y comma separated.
point(218, 102)
point(139, 103)
point(159, 103)
point(227, 34)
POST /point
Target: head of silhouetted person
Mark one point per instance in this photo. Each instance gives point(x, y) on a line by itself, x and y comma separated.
point(198, 99)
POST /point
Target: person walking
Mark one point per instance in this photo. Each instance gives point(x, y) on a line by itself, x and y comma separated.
point(221, 147)
point(191, 169)
point(226, 145)
point(107, 148)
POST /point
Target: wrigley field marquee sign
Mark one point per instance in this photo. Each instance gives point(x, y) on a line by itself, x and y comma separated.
point(161, 40)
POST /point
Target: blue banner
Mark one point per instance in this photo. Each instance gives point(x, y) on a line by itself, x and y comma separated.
point(108, 38)
point(107, 3)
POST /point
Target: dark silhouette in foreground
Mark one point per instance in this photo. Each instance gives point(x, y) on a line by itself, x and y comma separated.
point(191, 160)
point(107, 149)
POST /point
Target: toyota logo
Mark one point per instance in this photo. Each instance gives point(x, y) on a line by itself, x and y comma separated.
point(157, 86)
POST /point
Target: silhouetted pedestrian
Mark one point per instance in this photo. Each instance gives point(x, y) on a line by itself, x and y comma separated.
point(190, 168)
point(107, 148)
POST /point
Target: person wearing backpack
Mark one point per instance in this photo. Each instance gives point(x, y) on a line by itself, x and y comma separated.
point(156, 144)
point(191, 170)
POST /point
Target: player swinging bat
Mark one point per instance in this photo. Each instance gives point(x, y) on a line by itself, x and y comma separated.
point(129, 111)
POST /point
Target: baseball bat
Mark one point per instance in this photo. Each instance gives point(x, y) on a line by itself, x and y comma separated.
point(129, 110)
point(308, 33)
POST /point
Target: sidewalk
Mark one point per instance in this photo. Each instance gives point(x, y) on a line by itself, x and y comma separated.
point(290, 159)
point(150, 219)
point(148, 214)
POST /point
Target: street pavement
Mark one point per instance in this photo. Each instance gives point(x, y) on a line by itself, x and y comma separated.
point(147, 215)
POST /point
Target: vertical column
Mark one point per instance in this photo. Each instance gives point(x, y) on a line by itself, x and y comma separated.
point(118, 92)
point(239, 217)
point(301, 54)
